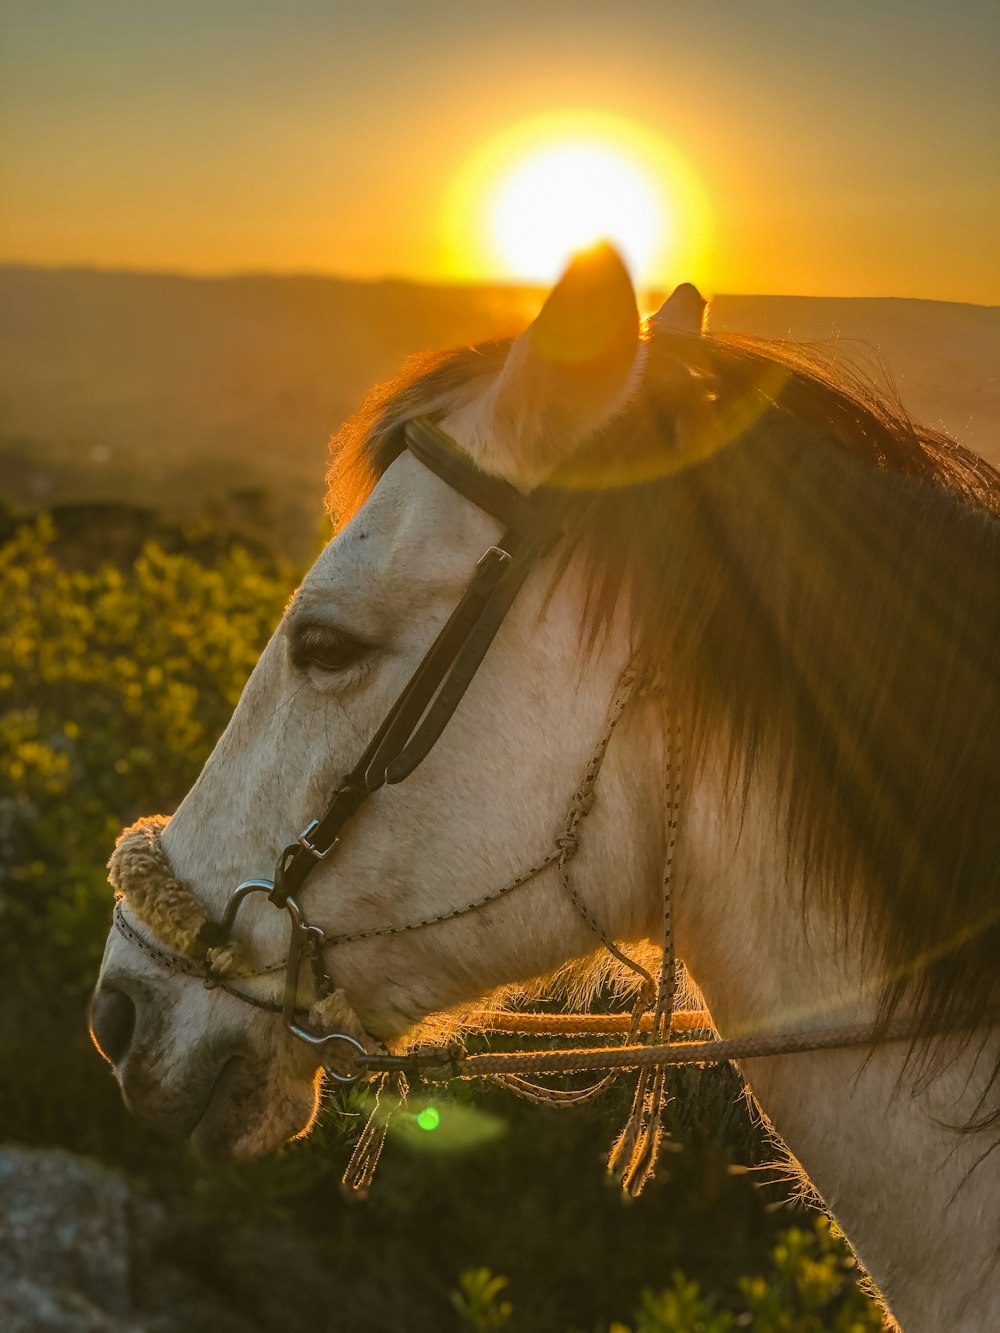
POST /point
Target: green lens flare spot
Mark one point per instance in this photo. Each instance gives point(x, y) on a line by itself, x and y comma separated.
point(429, 1118)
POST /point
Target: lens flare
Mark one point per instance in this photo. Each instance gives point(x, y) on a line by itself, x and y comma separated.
point(429, 1118)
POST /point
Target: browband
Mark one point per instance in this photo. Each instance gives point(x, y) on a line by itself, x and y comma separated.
point(437, 451)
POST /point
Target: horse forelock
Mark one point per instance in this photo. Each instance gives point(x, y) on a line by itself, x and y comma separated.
point(370, 440)
point(820, 577)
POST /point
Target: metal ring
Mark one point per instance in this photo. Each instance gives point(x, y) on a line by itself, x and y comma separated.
point(351, 1041)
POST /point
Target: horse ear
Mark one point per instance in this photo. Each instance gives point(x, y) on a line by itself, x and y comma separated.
point(682, 312)
point(570, 370)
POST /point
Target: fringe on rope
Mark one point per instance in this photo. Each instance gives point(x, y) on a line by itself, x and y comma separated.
point(634, 1153)
point(357, 1179)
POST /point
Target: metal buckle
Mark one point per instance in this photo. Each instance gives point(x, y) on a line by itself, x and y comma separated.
point(501, 555)
point(311, 846)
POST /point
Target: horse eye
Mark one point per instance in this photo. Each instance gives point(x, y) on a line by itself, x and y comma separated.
point(324, 647)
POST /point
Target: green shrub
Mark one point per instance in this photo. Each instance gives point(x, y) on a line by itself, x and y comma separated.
point(478, 1300)
point(114, 685)
point(811, 1287)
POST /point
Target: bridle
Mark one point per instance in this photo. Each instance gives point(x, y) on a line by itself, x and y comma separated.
point(416, 720)
point(410, 729)
point(408, 732)
point(406, 735)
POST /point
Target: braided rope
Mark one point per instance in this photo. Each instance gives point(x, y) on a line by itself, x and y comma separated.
point(516, 882)
point(453, 1064)
point(175, 962)
point(633, 1154)
point(580, 806)
point(526, 1024)
point(567, 845)
point(543, 1095)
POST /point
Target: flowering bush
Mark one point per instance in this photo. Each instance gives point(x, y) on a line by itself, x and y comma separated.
point(114, 684)
point(810, 1287)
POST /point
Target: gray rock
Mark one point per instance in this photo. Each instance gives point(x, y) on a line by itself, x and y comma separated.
point(84, 1250)
point(30, 1307)
point(64, 1228)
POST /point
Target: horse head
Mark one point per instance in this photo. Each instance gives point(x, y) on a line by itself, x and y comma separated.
point(485, 805)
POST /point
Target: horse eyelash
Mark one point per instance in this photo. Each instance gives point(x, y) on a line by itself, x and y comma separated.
point(307, 645)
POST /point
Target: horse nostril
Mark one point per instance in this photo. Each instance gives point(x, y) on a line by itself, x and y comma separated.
point(112, 1022)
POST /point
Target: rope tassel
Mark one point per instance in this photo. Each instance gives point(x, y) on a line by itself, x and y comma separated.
point(633, 1156)
point(632, 1160)
point(357, 1179)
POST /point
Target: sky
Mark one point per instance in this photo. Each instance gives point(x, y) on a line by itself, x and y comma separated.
point(847, 148)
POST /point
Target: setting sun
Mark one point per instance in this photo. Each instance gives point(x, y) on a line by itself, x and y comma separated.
point(527, 198)
point(567, 196)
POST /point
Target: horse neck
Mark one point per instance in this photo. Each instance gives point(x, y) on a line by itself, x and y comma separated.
point(871, 1137)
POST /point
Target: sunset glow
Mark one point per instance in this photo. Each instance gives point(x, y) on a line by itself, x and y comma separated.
point(374, 141)
point(568, 196)
point(531, 196)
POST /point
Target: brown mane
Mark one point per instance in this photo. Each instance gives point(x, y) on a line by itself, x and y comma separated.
point(820, 577)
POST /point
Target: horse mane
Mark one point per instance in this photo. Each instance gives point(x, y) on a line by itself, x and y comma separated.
point(819, 578)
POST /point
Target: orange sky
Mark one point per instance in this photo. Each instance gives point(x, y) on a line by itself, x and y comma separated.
point(837, 150)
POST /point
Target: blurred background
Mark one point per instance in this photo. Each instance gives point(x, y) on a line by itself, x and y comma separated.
point(221, 224)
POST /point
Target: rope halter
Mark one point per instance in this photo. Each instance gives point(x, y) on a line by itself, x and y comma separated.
point(188, 941)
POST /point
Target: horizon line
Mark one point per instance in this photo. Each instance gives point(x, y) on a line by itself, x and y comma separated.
point(513, 285)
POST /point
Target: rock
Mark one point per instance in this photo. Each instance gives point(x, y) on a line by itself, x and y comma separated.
point(30, 1307)
point(64, 1236)
point(84, 1250)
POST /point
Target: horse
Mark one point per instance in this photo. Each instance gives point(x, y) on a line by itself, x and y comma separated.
point(803, 588)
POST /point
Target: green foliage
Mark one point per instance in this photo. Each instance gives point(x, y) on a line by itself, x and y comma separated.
point(113, 687)
point(810, 1288)
point(478, 1300)
point(813, 1288)
point(681, 1308)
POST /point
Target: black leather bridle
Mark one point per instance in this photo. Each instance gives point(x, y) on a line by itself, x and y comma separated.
point(414, 723)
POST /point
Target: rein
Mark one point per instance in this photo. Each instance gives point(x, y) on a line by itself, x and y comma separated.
point(443, 1064)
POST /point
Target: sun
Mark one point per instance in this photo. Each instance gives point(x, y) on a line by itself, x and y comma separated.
point(530, 197)
point(567, 196)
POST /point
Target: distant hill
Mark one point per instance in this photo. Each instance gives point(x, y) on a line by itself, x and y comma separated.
point(216, 396)
point(943, 357)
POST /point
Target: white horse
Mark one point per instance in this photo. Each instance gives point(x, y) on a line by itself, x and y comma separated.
point(816, 583)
